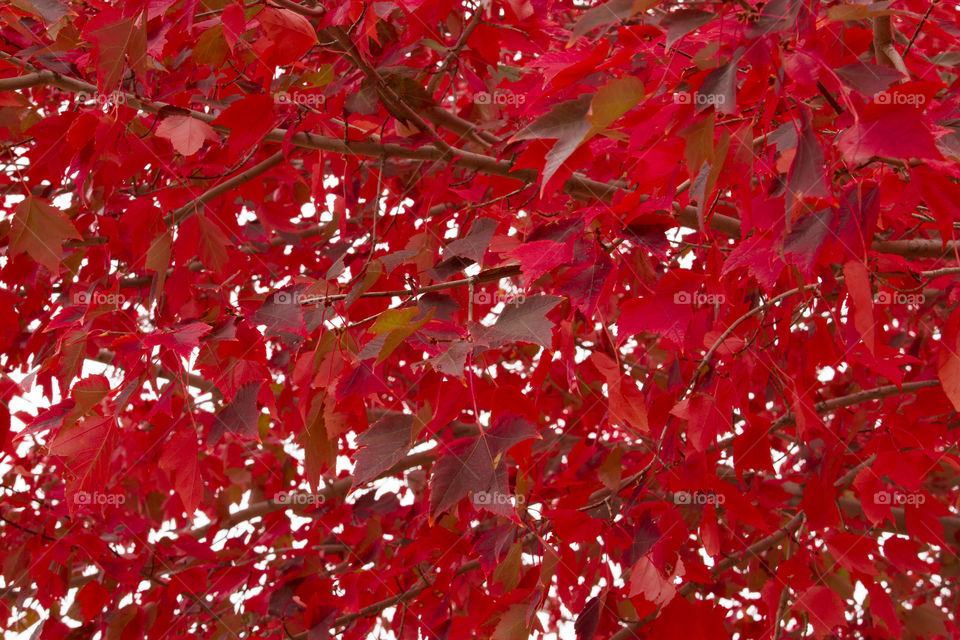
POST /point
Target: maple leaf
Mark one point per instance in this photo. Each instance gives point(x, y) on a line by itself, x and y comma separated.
point(613, 100)
point(179, 458)
point(50, 10)
point(183, 340)
point(625, 401)
point(383, 445)
point(92, 597)
point(474, 245)
point(118, 42)
point(893, 131)
point(680, 23)
point(948, 360)
point(568, 124)
point(589, 619)
point(806, 177)
point(249, 119)
point(866, 78)
point(861, 297)
point(607, 13)
point(514, 624)
point(719, 89)
point(40, 230)
point(239, 416)
point(824, 608)
point(470, 465)
point(86, 394)
point(87, 447)
point(647, 580)
point(525, 321)
point(187, 134)
point(234, 22)
point(540, 256)
point(282, 314)
point(319, 448)
point(290, 33)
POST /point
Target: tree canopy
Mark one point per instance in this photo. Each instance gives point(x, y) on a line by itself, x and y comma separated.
point(512, 319)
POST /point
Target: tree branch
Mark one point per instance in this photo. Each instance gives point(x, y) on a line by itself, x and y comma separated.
point(489, 275)
point(884, 50)
point(454, 52)
point(191, 207)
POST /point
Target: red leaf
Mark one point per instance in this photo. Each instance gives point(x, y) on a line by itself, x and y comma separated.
point(93, 598)
point(119, 40)
point(249, 119)
point(857, 280)
point(525, 321)
point(892, 131)
point(182, 340)
point(239, 417)
point(538, 257)
point(824, 608)
point(588, 619)
point(948, 359)
point(179, 458)
point(40, 230)
point(806, 177)
point(282, 314)
point(186, 133)
point(234, 21)
point(470, 465)
point(292, 35)
point(942, 196)
point(648, 581)
point(384, 444)
point(87, 447)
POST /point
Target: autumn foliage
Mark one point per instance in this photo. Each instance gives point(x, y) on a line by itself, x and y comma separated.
point(426, 319)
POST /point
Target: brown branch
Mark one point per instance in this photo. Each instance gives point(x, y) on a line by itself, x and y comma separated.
point(923, 21)
point(454, 52)
point(106, 357)
point(489, 275)
point(753, 550)
point(841, 402)
point(387, 94)
point(192, 207)
point(781, 611)
point(296, 7)
point(377, 607)
point(336, 489)
point(705, 361)
point(886, 54)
